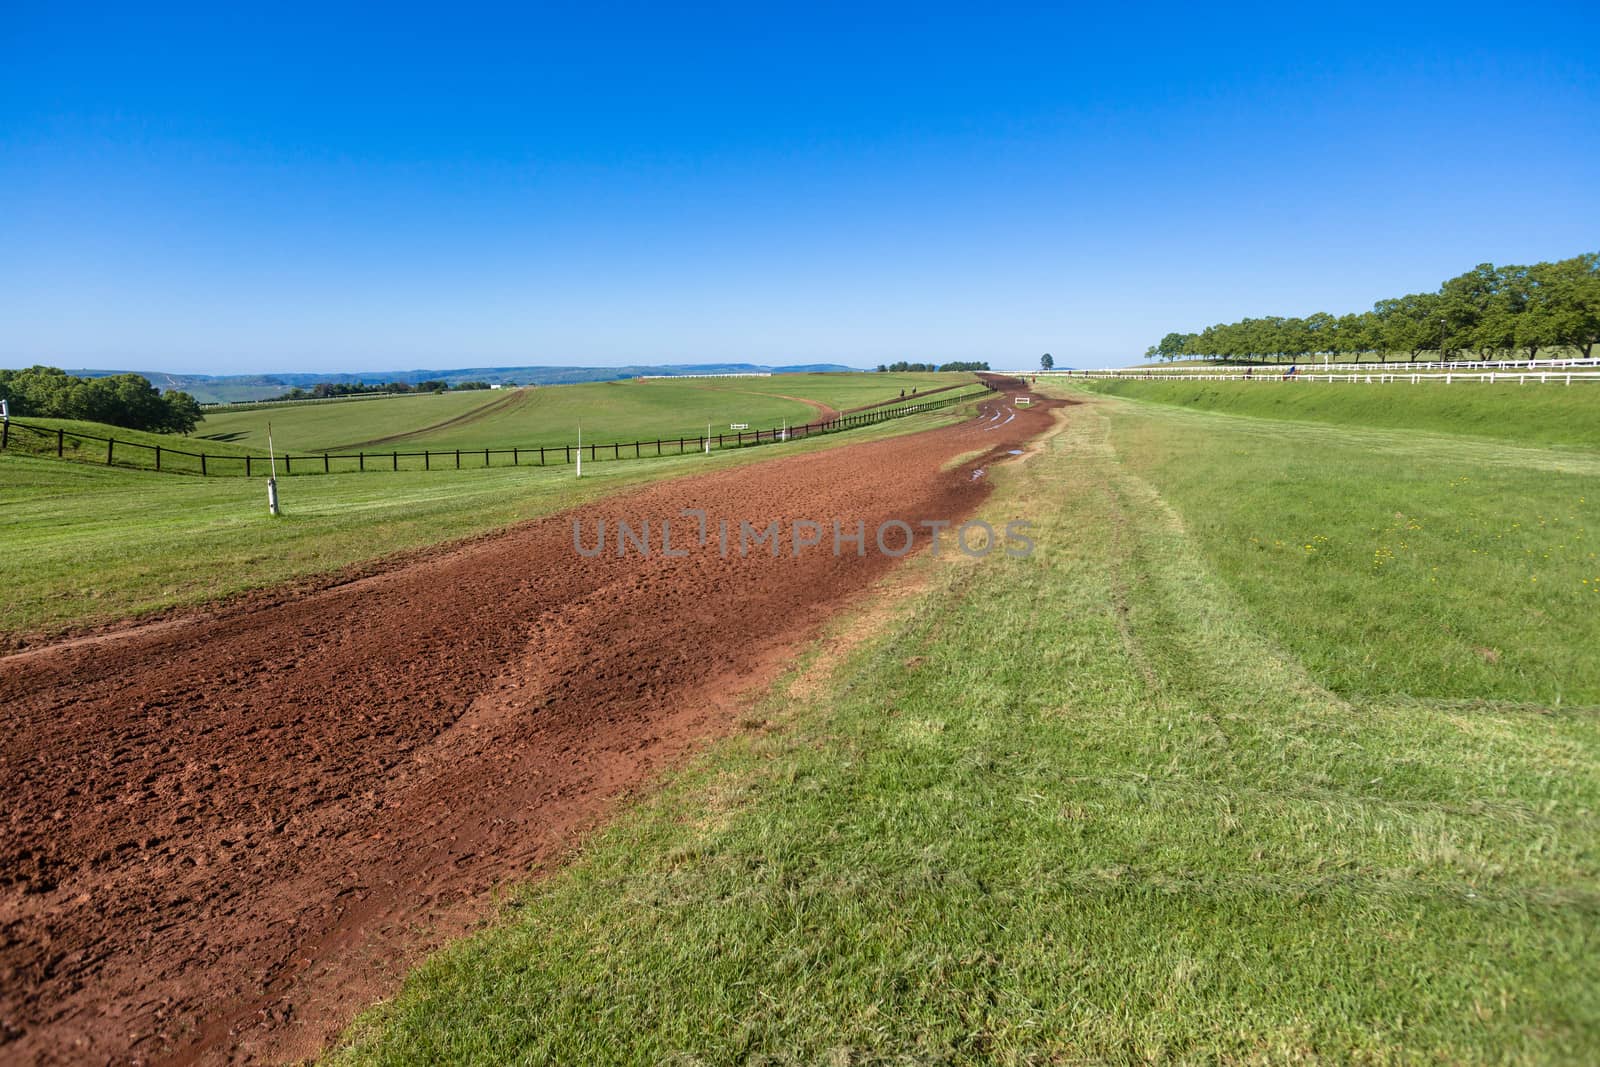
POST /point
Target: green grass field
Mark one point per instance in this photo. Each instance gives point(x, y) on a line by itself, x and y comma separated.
point(549, 415)
point(1281, 748)
point(309, 427)
point(1527, 414)
point(86, 544)
point(845, 391)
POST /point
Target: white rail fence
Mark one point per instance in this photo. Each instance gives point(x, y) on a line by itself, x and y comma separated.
point(1447, 378)
point(1308, 369)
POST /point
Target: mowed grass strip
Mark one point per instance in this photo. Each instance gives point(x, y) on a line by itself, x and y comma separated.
point(1396, 562)
point(84, 544)
point(1085, 806)
point(1532, 414)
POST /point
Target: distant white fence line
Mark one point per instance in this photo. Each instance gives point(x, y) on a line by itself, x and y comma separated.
point(213, 405)
point(1459, 368)
point(734, 374)
point(1542, 377)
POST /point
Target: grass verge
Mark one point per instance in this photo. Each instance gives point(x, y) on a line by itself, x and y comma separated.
point(1550, 414)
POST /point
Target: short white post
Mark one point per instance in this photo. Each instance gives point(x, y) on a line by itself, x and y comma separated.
point(580, 449)
point(272, 479)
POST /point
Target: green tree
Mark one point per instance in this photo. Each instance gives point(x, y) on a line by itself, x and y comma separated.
point(126, 400)
point(1486, 311)
point(1174, 345)
point(1569, 290)
point(1410, 324)
point(1047, 361)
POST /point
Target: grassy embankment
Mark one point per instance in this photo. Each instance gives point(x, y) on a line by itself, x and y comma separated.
point(1282, 747)
point(85, 442)
point(1550, 414)
point(87, 544)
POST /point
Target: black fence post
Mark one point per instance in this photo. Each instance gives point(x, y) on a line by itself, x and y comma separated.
point(458, 459)
point(514, 452)
point(325, 461)
point(202, 464)
point(486, 457)
point(111, 444)
point(427, 460)
point(288, 468)
point(396, 457)
point(247, 466)
point(61, 442)
point(361, 459)
point(158, 457)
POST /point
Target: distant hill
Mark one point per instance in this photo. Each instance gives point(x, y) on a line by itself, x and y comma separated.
point(232, 388)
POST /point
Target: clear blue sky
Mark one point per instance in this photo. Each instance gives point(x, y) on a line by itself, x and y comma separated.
point(305, 188)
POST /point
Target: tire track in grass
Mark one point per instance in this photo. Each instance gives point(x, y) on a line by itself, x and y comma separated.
point(500, 406)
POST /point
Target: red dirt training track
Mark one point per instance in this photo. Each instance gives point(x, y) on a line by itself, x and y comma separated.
point(225, 837)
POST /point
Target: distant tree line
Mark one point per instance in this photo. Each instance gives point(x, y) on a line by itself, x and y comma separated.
point(903, 366)
point(126, 400)
point(1484, 313)
point(325, 390)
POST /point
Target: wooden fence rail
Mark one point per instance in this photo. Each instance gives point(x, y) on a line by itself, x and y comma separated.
point(169, 460)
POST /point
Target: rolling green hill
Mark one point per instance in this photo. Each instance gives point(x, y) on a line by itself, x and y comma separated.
point(549, 415)
point(334, 423)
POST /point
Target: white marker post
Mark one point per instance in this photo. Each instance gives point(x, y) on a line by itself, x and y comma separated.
point(580, 448)
point(272, 479)
point(708, 437)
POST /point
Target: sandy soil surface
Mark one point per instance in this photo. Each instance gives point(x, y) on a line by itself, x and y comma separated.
point(227, 833)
